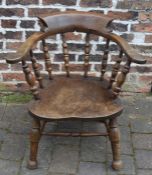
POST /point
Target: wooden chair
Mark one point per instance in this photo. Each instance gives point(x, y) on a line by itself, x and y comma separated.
point(75, 97)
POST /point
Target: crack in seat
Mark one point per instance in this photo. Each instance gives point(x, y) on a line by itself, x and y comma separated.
point(75, 97)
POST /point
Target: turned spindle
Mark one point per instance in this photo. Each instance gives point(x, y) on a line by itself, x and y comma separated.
point(120, 79)
point(104, 59)
point(87, 54)
point(66, 55)
point(36, 69)
point(30, 80)
point(48, 65)
point(116, 68)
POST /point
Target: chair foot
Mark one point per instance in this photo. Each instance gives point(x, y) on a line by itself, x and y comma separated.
point(114, 136)
point(32, 165)
point(117, 165)
point(34, 141)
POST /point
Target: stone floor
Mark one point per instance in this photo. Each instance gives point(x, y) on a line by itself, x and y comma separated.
point(78, 156)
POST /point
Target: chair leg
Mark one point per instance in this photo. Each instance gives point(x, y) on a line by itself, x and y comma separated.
point(34, 141)
point(114, 136)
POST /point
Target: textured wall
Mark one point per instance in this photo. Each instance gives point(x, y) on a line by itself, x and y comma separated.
point(134, 23)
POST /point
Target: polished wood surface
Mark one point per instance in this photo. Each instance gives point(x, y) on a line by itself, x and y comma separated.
point(48, 65)
point(73, 97)
point(66, 55)
point(104, 59)
point(31, 80)
point(36, 69)
point(87, 55)
point(76, 21)
point(116, 68)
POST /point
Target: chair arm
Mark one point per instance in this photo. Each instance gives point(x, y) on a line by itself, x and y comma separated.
point(24, 48)
point(127, 49)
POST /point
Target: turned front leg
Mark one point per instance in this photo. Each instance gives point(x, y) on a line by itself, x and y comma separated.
point(114, 136)
point(34, 141)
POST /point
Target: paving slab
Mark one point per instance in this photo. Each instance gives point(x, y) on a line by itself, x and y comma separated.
point(141, 126)
point(73, 126)
point(90, 168)
point(13, 152)
point(3, 134)
point(64, 159)
point(9, 167)
point(2, 110)
point(50, 126)
point(125, 134)
point(17, 127)
point(93, 149)
point(67, 140)
point(143, 107)
point(46, 141)
point(57, 174)
point(17, 112)
point(133, 108)
point(94, 127)
point(144, 172)
point(13, 147)
point(4, 125)
point(142, 141)
point(143, 159)
point(16, 139)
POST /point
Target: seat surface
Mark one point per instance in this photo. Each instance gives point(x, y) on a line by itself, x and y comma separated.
point(75, 97)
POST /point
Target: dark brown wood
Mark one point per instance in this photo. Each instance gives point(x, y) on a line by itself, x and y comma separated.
point(104, 59)
point(48, 65)
point(86, 57)
point(30, 80)
point(129, 51)
point(70, 21)
point(34, 140)
point(114, 136)
point(76, 134)
point(116, 86)
point(25, 48)
point(115, 69)
point(36, 69)
point(76, 97)
point(66, 55)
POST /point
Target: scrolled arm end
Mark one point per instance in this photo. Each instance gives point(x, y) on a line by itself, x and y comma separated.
point(135, 56)
point(130, 52)
point(14, 58)
point(24, 49)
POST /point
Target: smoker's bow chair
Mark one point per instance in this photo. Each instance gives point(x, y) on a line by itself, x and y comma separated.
point(75, 97)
